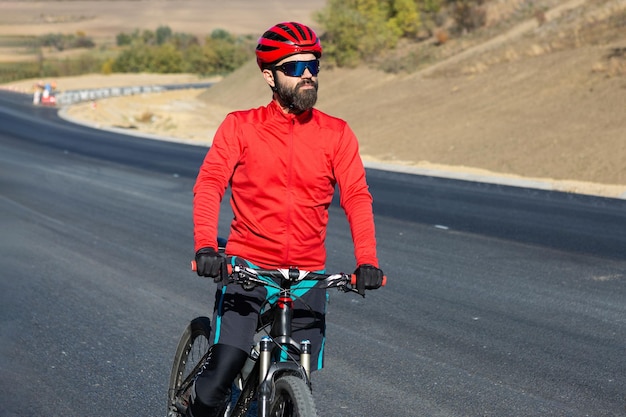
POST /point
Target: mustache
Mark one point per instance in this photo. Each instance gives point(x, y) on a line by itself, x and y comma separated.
point(306, 81)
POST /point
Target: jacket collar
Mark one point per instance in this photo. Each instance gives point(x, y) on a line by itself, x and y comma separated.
point(301, 118)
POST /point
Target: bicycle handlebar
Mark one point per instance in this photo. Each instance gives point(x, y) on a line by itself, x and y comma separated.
point(293, 275)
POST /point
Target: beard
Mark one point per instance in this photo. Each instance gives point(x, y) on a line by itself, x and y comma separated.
point(296, 99)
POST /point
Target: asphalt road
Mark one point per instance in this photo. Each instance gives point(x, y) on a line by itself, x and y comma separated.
point(501, 301)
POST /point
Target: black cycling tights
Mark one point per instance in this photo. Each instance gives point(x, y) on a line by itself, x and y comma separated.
point(212, 386)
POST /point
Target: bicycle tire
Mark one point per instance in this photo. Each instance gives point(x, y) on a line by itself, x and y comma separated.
point(292, 398)
point(189, 358)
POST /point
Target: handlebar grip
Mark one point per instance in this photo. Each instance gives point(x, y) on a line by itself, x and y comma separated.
point(194, 267)
point(353, 280)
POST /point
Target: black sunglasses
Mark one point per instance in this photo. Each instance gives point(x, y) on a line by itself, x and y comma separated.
point(296, 68)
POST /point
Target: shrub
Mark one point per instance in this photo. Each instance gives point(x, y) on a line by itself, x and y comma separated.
point(12, 71)
point(405, 17)
point(107, 67)
point(165, 59)
point(226, 52)
point(62, 42)
point(163, 34)
point(123, 39)
point(468, 15)
point(166, 52)
point(359, 30)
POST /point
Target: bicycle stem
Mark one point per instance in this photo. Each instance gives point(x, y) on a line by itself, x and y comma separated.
point(282, 322)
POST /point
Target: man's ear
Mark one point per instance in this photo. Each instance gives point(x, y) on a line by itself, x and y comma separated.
point(269, 78)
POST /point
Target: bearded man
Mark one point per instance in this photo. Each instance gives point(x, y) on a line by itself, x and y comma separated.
point(282, 162)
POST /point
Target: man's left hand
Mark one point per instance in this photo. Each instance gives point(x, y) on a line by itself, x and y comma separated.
point(368, 277)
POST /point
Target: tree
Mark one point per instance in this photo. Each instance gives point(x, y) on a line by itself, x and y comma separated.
point(405, 17)
point(163, 34)
point(123, 39)
point(358, 30)
point(165, 59)
point(166, 52)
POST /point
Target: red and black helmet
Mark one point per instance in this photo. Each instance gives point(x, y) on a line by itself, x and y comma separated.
point(285, 39)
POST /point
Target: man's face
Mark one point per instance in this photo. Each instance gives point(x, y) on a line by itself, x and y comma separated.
point(298, 93)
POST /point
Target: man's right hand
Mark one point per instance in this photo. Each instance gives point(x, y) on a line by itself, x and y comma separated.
point(210, 263)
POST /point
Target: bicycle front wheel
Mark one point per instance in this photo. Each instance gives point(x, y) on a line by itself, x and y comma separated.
point(188, 360)
point(292, 398)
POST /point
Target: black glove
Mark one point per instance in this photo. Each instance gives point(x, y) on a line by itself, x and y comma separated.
point(368, 277)
point(210, 263)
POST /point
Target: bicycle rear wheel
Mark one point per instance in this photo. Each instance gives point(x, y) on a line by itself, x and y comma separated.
point(292, 398)
point(190, 356)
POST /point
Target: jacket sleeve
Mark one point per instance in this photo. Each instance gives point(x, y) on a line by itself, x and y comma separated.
point(213, 178)
point(356, 199)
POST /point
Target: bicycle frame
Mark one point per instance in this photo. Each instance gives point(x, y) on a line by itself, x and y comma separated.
point(272, 348)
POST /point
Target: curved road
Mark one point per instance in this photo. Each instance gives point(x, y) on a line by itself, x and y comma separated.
point(501, 301)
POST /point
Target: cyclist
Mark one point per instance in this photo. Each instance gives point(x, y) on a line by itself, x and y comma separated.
point(282, 162)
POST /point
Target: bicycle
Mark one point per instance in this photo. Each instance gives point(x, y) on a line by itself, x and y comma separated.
point(282, 388)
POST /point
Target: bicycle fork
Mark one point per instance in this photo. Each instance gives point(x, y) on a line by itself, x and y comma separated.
point(281, 333)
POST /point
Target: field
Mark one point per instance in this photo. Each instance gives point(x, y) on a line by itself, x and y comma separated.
point(542, 99)
point(104, 19)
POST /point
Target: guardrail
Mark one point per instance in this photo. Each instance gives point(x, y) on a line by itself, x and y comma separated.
point(76, 96)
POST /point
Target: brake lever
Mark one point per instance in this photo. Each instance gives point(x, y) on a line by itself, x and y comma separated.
point(245, 277)
point(343, 285)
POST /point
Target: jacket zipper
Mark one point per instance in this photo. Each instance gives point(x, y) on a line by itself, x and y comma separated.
point(289, 193)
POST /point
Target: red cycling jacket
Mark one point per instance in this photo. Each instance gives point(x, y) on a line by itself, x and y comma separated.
point(282, 169)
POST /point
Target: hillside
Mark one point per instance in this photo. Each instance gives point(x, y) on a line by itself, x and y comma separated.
point(547, 103)
point(542, 99)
